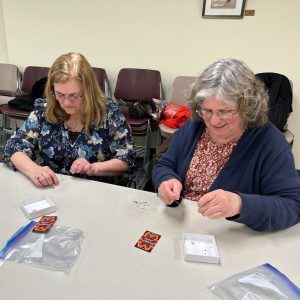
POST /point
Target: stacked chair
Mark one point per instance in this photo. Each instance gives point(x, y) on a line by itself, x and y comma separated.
point(10, 83)
point(178, 95)
point(139, 85)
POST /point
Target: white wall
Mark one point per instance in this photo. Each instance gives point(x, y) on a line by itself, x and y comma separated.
point(168, 35)
point(3, 46)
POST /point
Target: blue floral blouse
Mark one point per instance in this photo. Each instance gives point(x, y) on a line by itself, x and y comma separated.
point(111, 139)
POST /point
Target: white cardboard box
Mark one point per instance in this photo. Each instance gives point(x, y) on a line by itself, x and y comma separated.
point(200, 248)
point(37, 206)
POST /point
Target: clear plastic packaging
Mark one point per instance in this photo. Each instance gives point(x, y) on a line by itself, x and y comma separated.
point(56, 250)
point(260, 283)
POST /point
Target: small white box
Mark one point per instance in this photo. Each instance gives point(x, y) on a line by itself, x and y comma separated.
point(200, 248)
point(37, 206)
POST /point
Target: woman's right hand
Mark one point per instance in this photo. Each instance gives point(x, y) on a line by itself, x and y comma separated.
point(42, 176)
point(169, 191)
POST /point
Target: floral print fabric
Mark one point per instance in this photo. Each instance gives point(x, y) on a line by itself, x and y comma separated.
point(110, 139)
point(207, 161)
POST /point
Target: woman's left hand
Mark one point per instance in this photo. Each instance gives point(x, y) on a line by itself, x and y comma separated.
point(111, 167)
point(79, 166)
point(219, 204)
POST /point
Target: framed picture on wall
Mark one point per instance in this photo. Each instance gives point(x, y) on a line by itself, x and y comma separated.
point(223, 8)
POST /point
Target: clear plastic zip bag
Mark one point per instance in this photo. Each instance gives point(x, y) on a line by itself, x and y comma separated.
point(56, 250)
point(263, 282)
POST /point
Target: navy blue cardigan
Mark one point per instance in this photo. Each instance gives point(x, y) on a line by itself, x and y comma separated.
point(261, 169)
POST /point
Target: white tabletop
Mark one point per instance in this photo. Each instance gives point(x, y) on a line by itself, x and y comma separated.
point(109, 266)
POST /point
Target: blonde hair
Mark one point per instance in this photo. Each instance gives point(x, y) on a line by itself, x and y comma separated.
point(75, 66)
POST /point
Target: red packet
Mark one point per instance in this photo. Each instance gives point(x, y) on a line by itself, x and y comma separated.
point(44, 224)
point(147, 241)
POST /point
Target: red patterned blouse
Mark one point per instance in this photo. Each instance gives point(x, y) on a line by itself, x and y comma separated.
point(208, 160)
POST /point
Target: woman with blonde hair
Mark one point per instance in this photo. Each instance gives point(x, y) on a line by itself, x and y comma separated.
point(74, 130)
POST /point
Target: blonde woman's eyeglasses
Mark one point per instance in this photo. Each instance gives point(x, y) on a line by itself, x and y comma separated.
point(71, 97)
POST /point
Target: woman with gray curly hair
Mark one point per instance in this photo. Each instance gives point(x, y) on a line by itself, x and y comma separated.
point(229, 157)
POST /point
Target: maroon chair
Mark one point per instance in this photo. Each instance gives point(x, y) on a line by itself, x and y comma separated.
point(30, 76)
point(103, 81)
point(135, 85)
point(138, 85)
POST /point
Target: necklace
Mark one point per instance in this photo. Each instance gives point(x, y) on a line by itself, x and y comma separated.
point(74, 125)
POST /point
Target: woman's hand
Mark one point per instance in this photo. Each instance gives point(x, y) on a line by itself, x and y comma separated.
point(111, 167)
point(43, 176)
point(91, 169)
point(219, 204)
point(169, 191)
point(40, 176)
point(80, 166)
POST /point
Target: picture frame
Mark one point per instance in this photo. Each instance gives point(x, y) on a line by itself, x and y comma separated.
point(223, 8)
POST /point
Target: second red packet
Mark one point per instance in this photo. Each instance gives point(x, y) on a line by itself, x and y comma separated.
point(147, 241)
point(44, 224)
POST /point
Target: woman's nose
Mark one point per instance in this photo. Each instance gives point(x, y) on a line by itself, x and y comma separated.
point(215, 119)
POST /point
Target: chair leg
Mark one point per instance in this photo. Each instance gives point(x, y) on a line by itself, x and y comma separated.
point(147, 146)
point(143, 151)
point(1, 134)
point(6, 132)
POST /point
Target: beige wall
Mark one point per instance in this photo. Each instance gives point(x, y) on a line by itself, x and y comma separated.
point(3, 46)
point(168, 35)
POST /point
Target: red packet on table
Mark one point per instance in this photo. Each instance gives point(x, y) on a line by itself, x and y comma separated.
point(147, 241)
point(44, 224)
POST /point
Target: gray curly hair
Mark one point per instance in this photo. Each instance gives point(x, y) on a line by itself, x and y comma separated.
point(231, 80)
